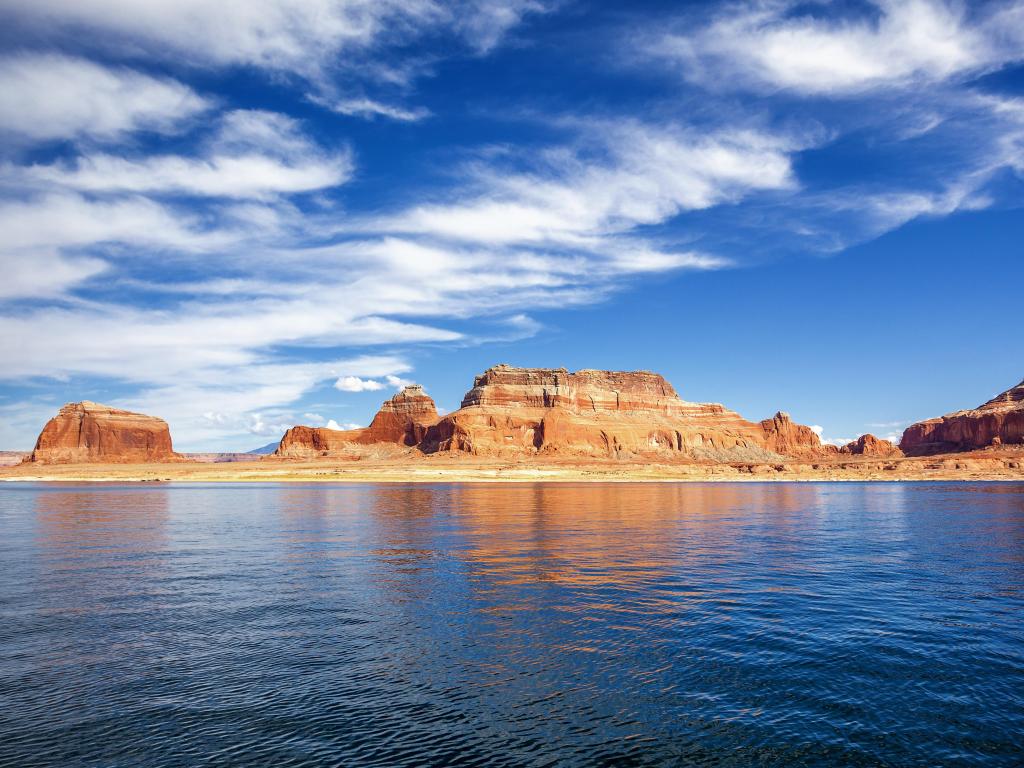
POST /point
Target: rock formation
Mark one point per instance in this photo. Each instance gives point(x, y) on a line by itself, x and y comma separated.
point(521, 411)
point(515, 412)
point(869, 445)
point(1000, 421)
point(401, 421)
point(89, 432)
point(787, 438)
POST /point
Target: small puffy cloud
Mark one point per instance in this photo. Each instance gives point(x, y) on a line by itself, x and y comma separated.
point(332, 424)
point(356, 384)
point(397, 382)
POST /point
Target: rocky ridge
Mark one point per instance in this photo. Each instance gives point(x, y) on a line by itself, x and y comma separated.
point(516, 412)
point(1000, 421)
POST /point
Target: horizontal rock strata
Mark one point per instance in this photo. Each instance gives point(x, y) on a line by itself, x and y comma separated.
point(89, 432)
point(401, 421)
point(1000, 421)
point(517, 412)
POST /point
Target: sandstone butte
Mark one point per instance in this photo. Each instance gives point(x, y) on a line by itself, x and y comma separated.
point(998, 422)
point(88, 432)
point(513, 412)
point(869, 445)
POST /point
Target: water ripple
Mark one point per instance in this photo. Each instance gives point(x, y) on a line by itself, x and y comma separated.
point(521, 625)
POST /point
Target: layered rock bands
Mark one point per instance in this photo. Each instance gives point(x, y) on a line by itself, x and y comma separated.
point(525, 411)
point(89, 432)
point(1000, 421)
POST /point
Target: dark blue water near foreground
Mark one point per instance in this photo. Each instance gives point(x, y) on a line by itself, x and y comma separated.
point(286, 625)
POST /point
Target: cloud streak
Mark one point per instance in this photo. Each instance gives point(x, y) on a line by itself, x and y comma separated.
point(48, 96)
point(781, 45)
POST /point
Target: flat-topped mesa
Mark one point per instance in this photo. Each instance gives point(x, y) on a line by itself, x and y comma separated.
point(401, 421)
point(88, 432)
point(1000, 421)
point(505, 386)
point(523, 411)
point(869, 445)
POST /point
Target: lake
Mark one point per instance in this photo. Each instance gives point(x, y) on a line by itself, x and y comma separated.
point(771, 624)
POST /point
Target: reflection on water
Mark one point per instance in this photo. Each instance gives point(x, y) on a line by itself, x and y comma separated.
point(616, 624)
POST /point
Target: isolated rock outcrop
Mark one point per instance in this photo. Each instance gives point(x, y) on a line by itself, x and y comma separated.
point(869, 445)
point(1000, 421)
point(402, 421)
point(89, 432)
point(787, 438)
point(519, 411)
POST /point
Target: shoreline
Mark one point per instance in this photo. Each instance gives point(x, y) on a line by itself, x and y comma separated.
point(982, 466)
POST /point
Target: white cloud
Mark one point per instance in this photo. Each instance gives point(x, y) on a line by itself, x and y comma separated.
point(300, 36)
point(68, 220)
point(45, 273)
point(50, 96)
point(780, 44)
point(649, 176)
point(254, 155)
point(355, 384)
point(332, 424)
point(369, 108)
point(398, 383)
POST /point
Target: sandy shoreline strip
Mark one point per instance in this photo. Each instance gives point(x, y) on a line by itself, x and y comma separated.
point(978, 466)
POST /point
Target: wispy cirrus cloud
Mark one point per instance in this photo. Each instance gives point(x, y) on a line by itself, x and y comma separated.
point(53, 96)
point(643, 175)
point(254, 154)
point(896, 43)
point(371, 108)
point(307, 38)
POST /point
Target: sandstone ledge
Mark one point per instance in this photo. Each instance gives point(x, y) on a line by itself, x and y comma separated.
point(986, 465)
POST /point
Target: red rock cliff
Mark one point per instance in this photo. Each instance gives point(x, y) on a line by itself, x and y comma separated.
point(869, 445)
point(402, 420)
point(519, 411)
point(89, 432)
point(999, 421)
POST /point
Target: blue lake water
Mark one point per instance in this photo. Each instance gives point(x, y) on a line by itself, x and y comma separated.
point(512, 625)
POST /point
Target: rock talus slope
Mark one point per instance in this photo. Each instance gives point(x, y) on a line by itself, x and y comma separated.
point(1000, 421)
point(89, 432)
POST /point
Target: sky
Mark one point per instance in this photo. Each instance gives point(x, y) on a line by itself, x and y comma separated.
point(244, 215)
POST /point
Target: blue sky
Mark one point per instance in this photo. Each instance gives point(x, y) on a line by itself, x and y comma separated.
point(245, 215)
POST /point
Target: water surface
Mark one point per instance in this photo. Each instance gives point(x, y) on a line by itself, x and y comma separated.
point(508, 625)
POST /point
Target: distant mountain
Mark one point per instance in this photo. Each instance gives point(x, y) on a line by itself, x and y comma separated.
point(265, 450)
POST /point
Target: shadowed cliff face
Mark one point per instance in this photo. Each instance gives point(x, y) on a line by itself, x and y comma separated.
point(517, 412)
point(1000, 421)
point(89, 432)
